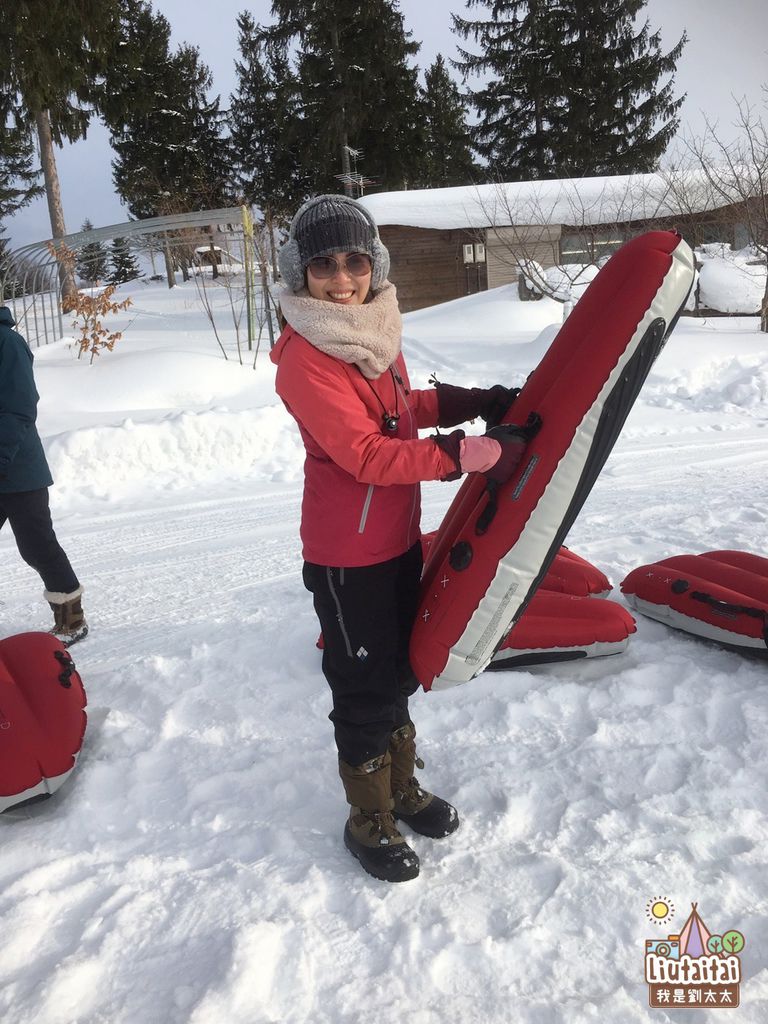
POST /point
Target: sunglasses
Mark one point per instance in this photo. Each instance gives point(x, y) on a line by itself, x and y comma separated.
point(358, 264)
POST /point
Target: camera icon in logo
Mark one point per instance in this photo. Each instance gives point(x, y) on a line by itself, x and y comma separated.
point(669, 947)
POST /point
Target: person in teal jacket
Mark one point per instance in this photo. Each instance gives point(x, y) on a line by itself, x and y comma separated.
point(24, 482)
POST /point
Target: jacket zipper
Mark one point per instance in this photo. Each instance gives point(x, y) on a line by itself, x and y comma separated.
point(339, 616)
point(366, 507)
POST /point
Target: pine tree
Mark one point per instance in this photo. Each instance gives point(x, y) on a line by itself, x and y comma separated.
point(18, 187)
point(19, 180)
point(520, 105)
point(448, 151)
point(9, 286)
point(52, 62)
point(124, 265)
point(617, 120)
point(573, 89)
point(356, 88)
point(91, 264)
point(262, 120)
point(391, 133)
point(166, 134)
point(135, 77)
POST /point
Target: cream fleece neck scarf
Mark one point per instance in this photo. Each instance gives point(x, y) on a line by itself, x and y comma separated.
point(368, 336)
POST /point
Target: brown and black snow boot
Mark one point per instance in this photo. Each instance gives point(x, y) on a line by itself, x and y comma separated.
point(69, 620)
point(424, 812)
point(370, 834)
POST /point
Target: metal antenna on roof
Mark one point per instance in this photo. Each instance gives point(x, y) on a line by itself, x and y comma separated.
point(353, 181)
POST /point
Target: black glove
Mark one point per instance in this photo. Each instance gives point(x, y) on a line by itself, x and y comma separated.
point(451, 445)
point(495, 403)
point(459, 405)
point(513, 440)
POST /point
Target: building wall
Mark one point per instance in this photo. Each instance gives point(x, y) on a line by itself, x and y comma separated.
point(427, 265)
point(506, 245)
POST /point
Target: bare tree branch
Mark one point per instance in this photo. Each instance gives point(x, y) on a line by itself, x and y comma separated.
point(737, 173)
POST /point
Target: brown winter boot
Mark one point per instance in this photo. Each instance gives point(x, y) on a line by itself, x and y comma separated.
point(426, 813)
point(69, 620)
point(370, 834)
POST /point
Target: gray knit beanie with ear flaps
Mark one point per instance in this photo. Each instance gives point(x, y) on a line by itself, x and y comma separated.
point(326, 225)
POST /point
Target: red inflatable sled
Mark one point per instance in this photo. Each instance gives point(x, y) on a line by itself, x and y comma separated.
point(718, 595)
point(584, 628)
point(561, 623)
point(568, 574)
point(493, 550)
point(571, 574)
point(42, 717)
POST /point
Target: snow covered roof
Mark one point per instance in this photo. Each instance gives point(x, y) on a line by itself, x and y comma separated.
point(575, 201)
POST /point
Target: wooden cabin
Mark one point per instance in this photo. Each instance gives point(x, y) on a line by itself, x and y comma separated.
point(446, 243)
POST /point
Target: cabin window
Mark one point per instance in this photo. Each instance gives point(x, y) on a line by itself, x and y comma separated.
point(589, 246)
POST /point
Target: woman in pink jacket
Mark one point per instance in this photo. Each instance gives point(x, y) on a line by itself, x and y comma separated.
point(341, 375)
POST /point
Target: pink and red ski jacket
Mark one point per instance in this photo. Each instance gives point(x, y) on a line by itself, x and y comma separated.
point(362, 501)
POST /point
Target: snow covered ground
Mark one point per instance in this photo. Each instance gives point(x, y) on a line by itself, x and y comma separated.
point(192, 869)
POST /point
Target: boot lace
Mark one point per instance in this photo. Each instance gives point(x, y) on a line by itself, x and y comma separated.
point(411, 796)
point(383, 825)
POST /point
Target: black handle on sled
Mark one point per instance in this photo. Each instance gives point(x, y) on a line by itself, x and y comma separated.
point(486, 517)
point(68, 667)
point(527, 432)
point(733, 609)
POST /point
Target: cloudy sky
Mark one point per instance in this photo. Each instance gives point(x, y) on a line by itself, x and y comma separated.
point(726, 57)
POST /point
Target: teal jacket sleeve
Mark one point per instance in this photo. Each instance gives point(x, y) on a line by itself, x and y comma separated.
point(18, 398)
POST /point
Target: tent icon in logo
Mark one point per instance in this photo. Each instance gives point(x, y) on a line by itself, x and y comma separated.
point(694, 936)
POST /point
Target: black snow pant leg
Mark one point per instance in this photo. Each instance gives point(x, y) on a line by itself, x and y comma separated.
point(29, 514)
point(366, 614)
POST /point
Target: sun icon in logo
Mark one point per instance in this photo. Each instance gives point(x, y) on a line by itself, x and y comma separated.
point(660, 909)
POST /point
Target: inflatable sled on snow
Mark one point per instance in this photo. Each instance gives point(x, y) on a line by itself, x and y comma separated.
point(493, 550)
point(564, 627)
point(561, 623)
point(571, 574)
point(42, 717)
point(718, 595)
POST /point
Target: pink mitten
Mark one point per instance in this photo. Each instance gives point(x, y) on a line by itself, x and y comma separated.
point(478, 454)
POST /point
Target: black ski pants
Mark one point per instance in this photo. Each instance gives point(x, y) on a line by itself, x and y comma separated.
point(29, 514)
point(366, 614)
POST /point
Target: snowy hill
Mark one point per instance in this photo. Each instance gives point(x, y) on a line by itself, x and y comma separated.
point(192, 869)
